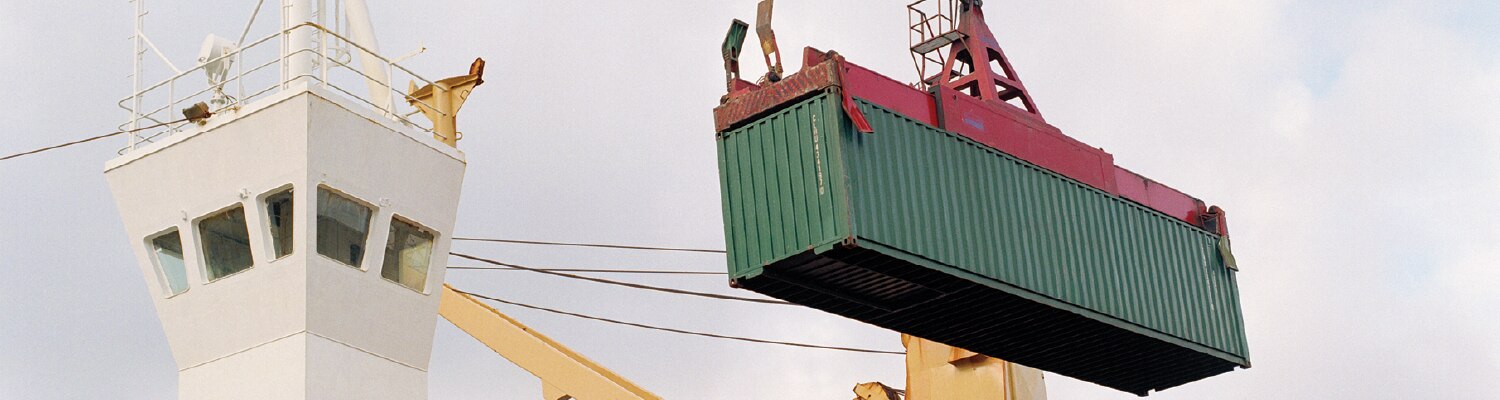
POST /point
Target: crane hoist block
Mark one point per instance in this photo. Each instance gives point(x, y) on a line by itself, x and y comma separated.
point(841, 193)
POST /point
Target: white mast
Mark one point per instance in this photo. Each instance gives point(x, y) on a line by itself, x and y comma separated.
point(363, 33)
point(304, 43)
point(300, 47)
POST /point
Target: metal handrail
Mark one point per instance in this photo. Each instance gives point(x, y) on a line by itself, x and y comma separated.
point(320, 77)
point(923, 27)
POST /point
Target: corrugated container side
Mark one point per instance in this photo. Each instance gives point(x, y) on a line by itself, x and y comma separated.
point(949, 199)
point(927, 232)
point(781, 181)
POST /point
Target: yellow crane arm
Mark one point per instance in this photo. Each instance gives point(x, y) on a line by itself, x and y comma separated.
point(936, 371)
point(565, 374)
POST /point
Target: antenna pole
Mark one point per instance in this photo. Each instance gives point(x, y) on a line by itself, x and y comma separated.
point(135, 71)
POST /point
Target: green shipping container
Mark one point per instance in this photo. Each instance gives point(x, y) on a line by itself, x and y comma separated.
point(926, 232)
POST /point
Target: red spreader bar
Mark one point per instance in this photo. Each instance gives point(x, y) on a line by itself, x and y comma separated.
point(1007, 128)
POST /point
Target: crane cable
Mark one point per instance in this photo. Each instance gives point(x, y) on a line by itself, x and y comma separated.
point(618, 283)
point(82, 141)
point(680, 331)
point(606, 246)
point(595, 245)
point(560, 271)
point(596, 271)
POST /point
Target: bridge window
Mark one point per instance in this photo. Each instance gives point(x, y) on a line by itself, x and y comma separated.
point(167, 252)
point(226, 243)
point(343, 226)
point(279, 218)
point(407, 255)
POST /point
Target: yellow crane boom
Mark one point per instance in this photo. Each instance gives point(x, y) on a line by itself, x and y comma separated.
point(565, 374)
point(934, 371)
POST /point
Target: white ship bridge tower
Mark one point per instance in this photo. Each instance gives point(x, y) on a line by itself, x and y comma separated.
point(290, 216)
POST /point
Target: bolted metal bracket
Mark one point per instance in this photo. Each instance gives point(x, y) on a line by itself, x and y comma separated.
point(1227, 254)
point(734, 41)
point(441, 100)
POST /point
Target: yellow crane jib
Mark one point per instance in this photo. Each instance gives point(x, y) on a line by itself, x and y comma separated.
point(876, 391)
point(936, 371)
point(565, 374)
point(441, 100)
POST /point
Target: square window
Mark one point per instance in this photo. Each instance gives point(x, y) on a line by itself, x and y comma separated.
point(343, 225)
point(226, 243)
point(167, 250)
point(407, 255)
point(279, 217)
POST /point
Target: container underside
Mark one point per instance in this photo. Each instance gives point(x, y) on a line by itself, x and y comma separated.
point(877, 288)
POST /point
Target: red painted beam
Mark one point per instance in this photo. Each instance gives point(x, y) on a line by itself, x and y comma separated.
point(1005, 127)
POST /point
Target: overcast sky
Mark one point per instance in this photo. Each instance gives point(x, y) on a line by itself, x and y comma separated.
point(1355, 144)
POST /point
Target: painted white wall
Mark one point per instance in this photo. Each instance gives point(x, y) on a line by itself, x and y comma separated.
point(278, 374)
point(303, 326)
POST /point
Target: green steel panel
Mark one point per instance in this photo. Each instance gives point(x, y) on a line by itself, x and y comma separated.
point(955, 201)
point(927, 232)
point(780, 180)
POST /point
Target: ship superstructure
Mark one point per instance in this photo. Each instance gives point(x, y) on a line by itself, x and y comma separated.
point(294, 228)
